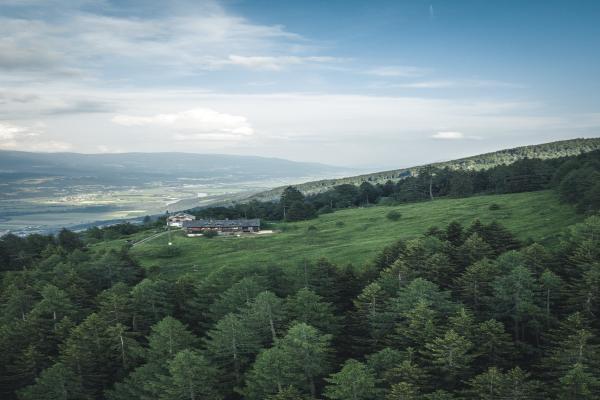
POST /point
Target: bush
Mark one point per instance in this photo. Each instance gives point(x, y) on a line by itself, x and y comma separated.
point(325, 210)
point(168, 252)
point(339, 224)
point(494, 207)
point(311, 228)
point(393, 215)
point(210, 234)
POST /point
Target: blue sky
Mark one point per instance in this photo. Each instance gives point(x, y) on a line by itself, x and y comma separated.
point(374, 84)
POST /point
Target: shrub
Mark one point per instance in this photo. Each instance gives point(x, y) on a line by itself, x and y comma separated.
point(393, 215)
point(311, 228)
point(494, 207)
point(168, 252)
point(325, 210)
point(210, 234)
point(339, 224)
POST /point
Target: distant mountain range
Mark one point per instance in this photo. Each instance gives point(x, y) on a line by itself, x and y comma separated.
point(557, 149)
point(139, 168)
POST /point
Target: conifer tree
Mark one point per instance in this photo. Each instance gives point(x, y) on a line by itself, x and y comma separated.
point(403, 391)
point(355, 381)
point(451, 356)
point(231, 346)
point(264, 316)
point(55, 383)
point(191, 378)
point(308, 307)
point(167, 338)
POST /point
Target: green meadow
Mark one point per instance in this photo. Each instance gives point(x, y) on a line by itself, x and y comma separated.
point(353, 236)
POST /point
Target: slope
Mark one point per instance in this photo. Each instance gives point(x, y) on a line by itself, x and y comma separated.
point(355, 235)
point(557, 149)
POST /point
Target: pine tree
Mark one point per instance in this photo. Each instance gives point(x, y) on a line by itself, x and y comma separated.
point(493, 344)
point(371, 312)
point(151, 303)
point(451, 356)
point(463, 323)
point(124, 347)
point(578, 384)
point(54, 306)
point(407, 371)
point(269, 374)
point(514, 297)
point(403, 391)
point(571, 343)
point(265, 316)
point(191, 378)
point(518, 385)
point(454, 233)
point(289, 393)
point(308, 351)
point(55, 383)
point(308, 307)
point(475, 284)
point(115, 304)
point(384, 360)
point(87, 352)
point(231, 346)
point(240, 295)
point(550, 284)
point(474, 249)
point(418, 326)
point(487, 385)
point(355, 381)
point(167, 338)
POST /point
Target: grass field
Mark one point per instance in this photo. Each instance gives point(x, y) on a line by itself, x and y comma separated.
point(356, 235)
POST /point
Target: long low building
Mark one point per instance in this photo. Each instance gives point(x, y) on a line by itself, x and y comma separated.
point(222, 225)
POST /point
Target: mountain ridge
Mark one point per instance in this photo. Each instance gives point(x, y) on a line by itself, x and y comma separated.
point(547, 150)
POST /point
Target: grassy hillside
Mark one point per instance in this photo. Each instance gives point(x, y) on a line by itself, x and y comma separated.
point(356, 235)
point(563, 148)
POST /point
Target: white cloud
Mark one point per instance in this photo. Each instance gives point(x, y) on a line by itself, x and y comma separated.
point(83, 44)
point(448, 135)
point(194, 124)
point(268, 63)
point(429, 84)
point(25, 138)
point(399, 71)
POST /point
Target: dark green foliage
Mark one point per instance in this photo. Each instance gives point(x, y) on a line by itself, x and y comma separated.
point(355, 381)
point(393, 215)
point(191, 377)
point(459, 312)
point(55, 383)
point(209, 233)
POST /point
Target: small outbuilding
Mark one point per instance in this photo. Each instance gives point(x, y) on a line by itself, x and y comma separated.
point(178, 219)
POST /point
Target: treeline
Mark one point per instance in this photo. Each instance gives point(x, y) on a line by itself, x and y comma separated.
point(577, 179)
point(458, 313)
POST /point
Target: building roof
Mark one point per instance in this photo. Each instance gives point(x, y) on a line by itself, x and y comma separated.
point(222, 223)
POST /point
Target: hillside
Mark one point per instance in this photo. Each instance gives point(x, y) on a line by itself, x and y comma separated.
point(563, 148)
point(355, 235)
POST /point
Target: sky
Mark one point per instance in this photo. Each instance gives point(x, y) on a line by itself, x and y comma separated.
point(368, 84)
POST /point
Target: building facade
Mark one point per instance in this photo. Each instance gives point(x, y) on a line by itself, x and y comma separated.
point(222, 226)
point(178, 219)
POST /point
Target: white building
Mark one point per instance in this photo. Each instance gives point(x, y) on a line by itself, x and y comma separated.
point(178, 219)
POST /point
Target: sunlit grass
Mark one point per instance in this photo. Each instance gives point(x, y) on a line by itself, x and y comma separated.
point(356, 235)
